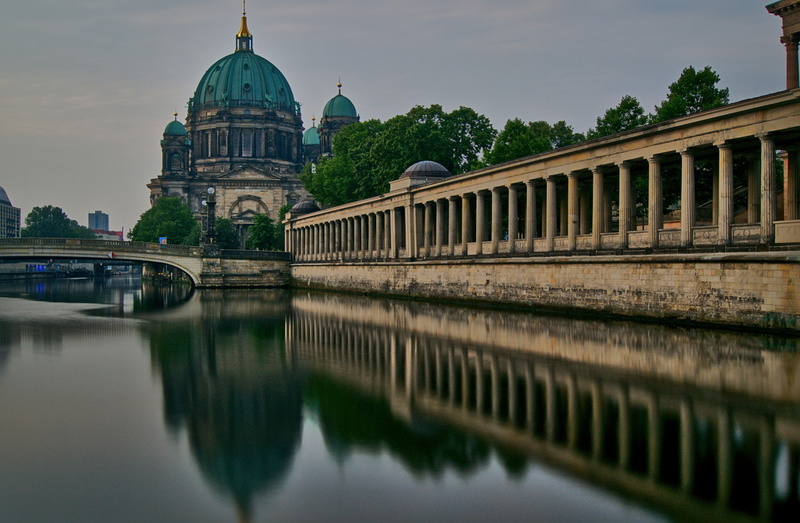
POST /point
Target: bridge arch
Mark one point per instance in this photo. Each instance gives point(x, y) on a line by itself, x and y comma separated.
point(187, 259)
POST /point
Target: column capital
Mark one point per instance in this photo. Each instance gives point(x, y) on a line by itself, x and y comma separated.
point(573, 175)
point(654, 158)
point(791, 39)
point(723, 144)
point(686, 151)
point(764, 136)
point(624, 163)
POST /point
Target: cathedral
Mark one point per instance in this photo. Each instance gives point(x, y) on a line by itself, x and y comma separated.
point(244, 136)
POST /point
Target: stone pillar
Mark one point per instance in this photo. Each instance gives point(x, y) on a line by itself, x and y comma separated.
point(552, 208)
point(768, 193)
point(790, 41)
point(790, 159)
point(452, 225)
point(439, 227)
point(725, 218)
point(687, 197)
point(625, 203)
point(356, 237)
point(597, 207)
point(497, 220)
point(584, 204)
point(419, 227)
point(387, 232)
point(379, 234)
point(513, 217)
point(466, 222)
point(393, 227)
point(370, 235)
point(530, 214)
point(572, 210)
point(655, 200)
point(753, 189)
point(480, 222)
point(563, 213)
point(428, 225)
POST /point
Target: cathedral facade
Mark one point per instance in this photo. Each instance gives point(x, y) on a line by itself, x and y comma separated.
point(244, 137)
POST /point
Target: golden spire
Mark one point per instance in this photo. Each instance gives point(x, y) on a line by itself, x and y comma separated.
point(339, 85)
point(244, 32)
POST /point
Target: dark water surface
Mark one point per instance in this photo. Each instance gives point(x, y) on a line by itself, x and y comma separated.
point(127, 403)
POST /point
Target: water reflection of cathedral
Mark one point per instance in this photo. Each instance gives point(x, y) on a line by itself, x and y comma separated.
point(710, 428)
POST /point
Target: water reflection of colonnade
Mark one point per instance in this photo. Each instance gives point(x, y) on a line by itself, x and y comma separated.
point(688, 448)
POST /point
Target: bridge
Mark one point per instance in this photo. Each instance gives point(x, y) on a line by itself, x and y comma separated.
point(565, 229)
point(203, 267)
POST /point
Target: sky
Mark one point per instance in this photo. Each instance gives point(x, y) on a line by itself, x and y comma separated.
point(87, 86)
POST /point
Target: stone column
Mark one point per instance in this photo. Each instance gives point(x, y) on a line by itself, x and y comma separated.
point(513, 217)
point(625, 203)
point(419, 219)
point(725, 218)
point(790, 41)
point(497, 220)
point(768, 193)
point(790, 163)
point(370, 235)
point(552, 208)
point(572, 210)
point(356, 237)
point(466, 222)
point(597, 207)
point(530, 214)
point(426, 238)
point(753, 189)
point(379, 234)
point(393, 227)
point(439, 227)
point(687, 197)
point(655, 199)
point(480, 222)
point(452, 225)
point(387, 232)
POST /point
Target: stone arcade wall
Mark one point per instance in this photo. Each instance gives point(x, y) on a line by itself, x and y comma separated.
point(754, 290)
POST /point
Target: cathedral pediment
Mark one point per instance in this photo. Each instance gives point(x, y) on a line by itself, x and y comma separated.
point(248, 173)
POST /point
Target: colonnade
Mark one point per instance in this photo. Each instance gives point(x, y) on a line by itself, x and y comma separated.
point(591, 208)
point(686, 449)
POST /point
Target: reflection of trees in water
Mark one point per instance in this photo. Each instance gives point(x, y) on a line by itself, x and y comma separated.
point(227, 383)
point(351, 419)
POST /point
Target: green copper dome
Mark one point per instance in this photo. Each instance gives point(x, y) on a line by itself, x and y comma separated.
point(244, 79)
point(175, 128)
point(311, 136)
point(339, 105)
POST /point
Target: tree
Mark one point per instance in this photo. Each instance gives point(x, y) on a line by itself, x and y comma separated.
point(52, 222)
point(263, 235)
point(170, 218)
point(693, 91)
point(627, 115)
point(227, 237)
point(518, 139)
point(368, 155)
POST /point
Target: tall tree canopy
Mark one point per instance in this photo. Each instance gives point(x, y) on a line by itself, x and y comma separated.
point(627, 115)
point(170, 218)
point(693, 91)
point(263, 235)
point(368, 155)
point(227, 237)
point(52, 222)
point(518, 139)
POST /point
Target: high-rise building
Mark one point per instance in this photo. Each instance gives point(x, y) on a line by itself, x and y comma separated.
point(98, 221)
point(9, 217)
point(244, 136)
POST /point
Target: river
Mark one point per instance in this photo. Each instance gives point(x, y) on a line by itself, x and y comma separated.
point(128, 402)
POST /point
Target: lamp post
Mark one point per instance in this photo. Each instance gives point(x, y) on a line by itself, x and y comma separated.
point(209, 235)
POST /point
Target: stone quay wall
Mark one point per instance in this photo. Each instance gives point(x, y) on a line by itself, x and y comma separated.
point(744, 290)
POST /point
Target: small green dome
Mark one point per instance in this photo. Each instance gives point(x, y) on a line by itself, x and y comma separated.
point(339, 105)
point(311, 136)
point(244, 79)
point(175, 128)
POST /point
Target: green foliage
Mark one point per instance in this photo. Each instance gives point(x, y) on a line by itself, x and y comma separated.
point(693, 91)
point(263, 235)
point(368, 155)
point(518, 139)
point(627, 115)
point(52, 222)
point(227, 236)
point(169, 217)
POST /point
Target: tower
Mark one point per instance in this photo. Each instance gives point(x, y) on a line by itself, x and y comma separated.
point(338, 112)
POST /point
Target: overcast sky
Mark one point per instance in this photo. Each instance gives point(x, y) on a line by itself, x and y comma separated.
point(87, 86)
